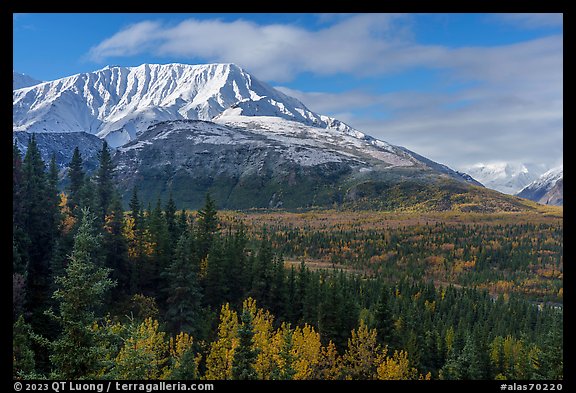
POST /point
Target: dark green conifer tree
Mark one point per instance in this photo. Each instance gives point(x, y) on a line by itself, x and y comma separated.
point(551, 359)
point(135, 209)
point(17, 188)
point(207, 226)
point(182, 224)
point(245, 354)
point(80, 293)
point(104, 181)
point(115, 249)
point(236, 264)
point(23, 363)
point(383, 318)
point(161, 251)
point(20, 240)
point(215, 280)
point(184, 296)
point(53, 200)
point(291, 309)
point(38, 225)
point(278, 291)
point(170, 216)
point(262, 273)
point(76, 179)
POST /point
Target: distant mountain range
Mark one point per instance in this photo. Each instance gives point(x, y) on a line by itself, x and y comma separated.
point(62, 145)
point(548, 189)
point(505, 177)
point(188, 129)
point(22, 80)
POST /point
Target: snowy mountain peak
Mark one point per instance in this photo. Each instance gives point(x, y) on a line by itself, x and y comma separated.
point(548, 178)
point(118, 103)
point(505, 177)
point(548, 189)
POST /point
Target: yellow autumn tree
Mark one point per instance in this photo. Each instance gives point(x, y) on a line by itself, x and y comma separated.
point(178, 346)
point(363, 355)
point(330, 366)
point(68, 219)
point(139, 242)
point(144, 354)
point(221, 355)
point(512, 358)
point(267, 348)
point(396, 367)
point(129, 233)
point(306, 348)
point(284, 354)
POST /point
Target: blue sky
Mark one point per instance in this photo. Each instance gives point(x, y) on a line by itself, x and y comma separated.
point(457, 88)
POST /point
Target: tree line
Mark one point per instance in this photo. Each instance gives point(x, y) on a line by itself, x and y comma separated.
point(160, 293)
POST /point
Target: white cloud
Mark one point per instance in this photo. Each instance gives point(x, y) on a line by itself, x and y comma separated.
point(132, 40)
point(273, 51)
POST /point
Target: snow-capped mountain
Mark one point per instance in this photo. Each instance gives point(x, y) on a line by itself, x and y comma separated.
point(22, 80)
point(548, 189)
point(198, 128)
point(508, 178)
point(118, 103)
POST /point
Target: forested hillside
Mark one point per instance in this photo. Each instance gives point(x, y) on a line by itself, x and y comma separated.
point(154, 292)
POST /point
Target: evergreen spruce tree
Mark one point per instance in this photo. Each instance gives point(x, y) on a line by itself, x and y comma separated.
point(551, 358)
point(471, 361)
point(207, 226)
point(236, 262)
point(291, 310)
point(311, 302)
point(245, 354)
point(184, 297)
point(53, 221)
point(329, 316)
point(38, 225)
point(20, 240)
point(17, 188)
point(88, 199)
point(182, 224)
point(161, 250)
point(53, 200)
point(115, 249)
point(104, 181)
point(23, 363)
point(284, 368)
point(215, 275)
point(170, 216)
point(79, 295)
point(76, 179)
point(18, 284)
point(135, 209)
point(383, 318)
point(262, 273)
point(278, 291)
point(301, 286)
